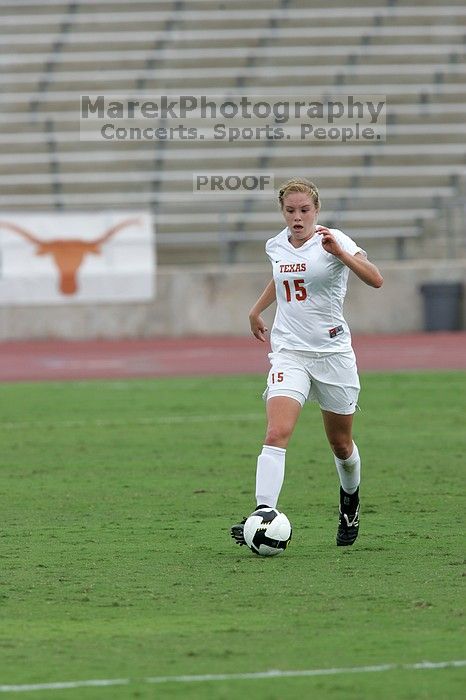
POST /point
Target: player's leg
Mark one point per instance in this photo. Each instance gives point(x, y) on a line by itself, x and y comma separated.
point(336, 385)
point(287, 389)
point(288, 386)
point(282, 414)
point(348, 463)
point(339, 430)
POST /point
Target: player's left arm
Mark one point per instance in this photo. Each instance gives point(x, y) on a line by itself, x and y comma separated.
point(358, 263)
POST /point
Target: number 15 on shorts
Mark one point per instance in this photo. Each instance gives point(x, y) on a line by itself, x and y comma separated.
point(277, 377)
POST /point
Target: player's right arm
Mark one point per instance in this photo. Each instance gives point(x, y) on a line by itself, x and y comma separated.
point(257, 323)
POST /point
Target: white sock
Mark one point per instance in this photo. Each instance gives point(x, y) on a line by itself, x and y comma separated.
point(349, 471)
point(269, 475)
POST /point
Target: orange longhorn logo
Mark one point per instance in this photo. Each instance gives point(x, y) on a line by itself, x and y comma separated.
point(68, 254)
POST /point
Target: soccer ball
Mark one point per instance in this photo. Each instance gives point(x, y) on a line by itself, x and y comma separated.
point(267, 532)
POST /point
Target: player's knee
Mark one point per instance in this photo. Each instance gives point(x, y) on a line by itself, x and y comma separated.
point(342, 447)
point(277, 436)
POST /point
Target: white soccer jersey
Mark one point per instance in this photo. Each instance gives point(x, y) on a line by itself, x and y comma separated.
point(310, 287)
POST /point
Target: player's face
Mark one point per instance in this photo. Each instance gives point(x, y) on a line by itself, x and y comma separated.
point(300, 216)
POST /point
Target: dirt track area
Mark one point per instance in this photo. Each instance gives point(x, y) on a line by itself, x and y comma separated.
point(161, 357)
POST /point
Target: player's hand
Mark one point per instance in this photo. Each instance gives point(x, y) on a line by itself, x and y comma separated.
point(329, 242)
point(258, 327)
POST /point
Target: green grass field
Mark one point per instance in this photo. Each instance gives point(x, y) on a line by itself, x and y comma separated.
point(116, 559)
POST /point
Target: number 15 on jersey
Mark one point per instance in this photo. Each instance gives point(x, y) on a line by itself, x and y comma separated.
point(299, 290)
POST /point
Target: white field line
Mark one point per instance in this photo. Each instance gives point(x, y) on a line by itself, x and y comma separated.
point(62, 686)
point(110, 422)
point(421, 666)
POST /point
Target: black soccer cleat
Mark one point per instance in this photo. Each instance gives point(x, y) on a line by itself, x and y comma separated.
point(348, 522)
point(237, 531)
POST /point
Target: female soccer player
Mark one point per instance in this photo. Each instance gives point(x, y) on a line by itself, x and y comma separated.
point(312, 357)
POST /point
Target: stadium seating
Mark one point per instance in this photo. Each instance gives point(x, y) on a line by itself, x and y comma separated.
point(399, 197)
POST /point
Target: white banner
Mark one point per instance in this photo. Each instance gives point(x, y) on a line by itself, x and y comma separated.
point(76, 258)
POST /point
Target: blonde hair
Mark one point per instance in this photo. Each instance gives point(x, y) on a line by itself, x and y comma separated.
point(299, 184)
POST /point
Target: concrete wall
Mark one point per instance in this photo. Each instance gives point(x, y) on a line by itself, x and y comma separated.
point(216, 300)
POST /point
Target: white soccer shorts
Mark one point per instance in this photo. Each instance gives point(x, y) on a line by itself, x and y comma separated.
point(331, 379)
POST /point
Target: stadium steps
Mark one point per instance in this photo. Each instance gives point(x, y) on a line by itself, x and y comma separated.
point(47, 66)
point(182, 181)
point(453, 52)
point(228, 75)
